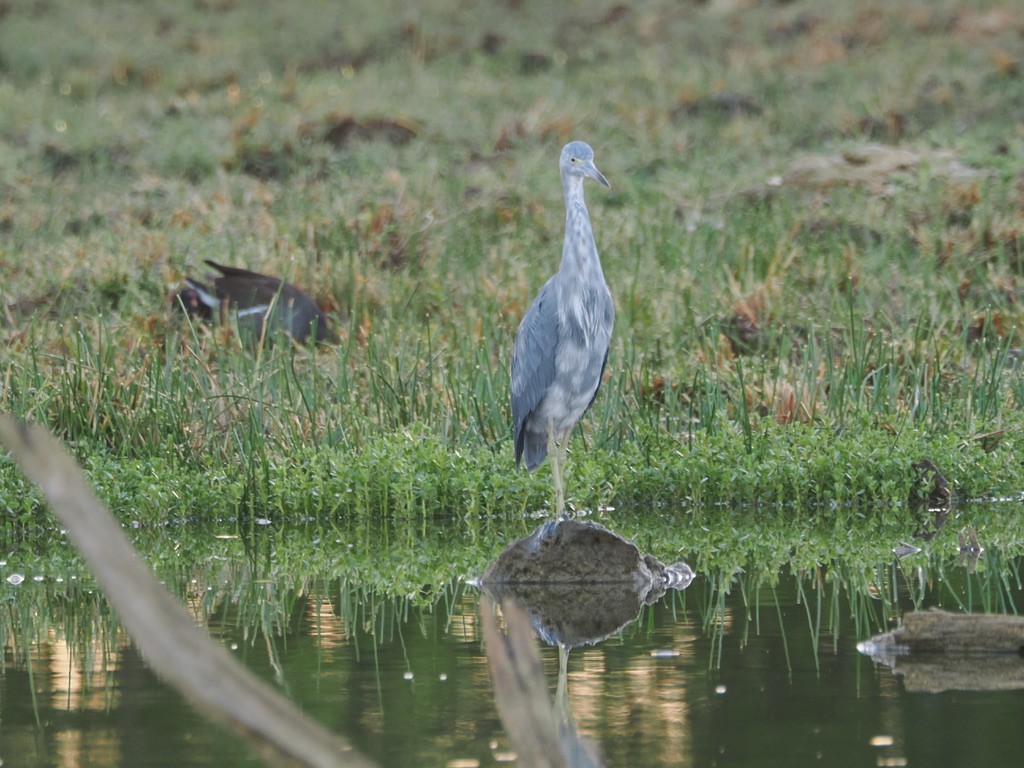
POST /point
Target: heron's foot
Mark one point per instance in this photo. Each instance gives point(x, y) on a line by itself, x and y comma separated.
point(547, 529)
point(565, 511)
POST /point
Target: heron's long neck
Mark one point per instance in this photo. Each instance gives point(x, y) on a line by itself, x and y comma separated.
point(579, 253)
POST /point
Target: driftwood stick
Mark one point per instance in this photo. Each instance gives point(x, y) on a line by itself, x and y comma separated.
point(942, 632)
point(937, 651)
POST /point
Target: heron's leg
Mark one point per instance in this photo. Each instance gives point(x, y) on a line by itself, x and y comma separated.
point(555, 452)
point(563, 452)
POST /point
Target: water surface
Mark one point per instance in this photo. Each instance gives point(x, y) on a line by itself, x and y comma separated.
point(736, 670)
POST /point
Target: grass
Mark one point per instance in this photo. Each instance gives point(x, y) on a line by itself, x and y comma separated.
point(792, 327)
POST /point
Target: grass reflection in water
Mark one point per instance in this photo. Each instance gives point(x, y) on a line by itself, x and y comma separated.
point(383, 644)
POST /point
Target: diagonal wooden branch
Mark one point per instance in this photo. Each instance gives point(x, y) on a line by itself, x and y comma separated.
point(179, 651)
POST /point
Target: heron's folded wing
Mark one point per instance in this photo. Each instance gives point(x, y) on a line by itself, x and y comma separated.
point(533, 360)
point(609, 321)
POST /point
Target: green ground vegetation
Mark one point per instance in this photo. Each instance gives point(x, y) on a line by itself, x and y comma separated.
point(814, 239)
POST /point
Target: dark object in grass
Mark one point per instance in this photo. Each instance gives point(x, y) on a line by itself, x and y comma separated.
point(744, 334)
point(340, 130)
point(60, 160)
point(728, 105)
point(262, 304)
point(264, 161)
point(837, 230)
point(49, 300)
point(491, 43)
point(747, 337)
point(534, 63)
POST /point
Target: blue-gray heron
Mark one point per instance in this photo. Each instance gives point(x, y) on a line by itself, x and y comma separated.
point(562, 345)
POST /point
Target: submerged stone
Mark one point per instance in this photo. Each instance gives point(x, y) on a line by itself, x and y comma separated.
point(574, 552)
point(569, 551)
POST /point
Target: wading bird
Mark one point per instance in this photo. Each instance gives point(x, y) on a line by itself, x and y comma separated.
point(562, 345)
point(262, 304)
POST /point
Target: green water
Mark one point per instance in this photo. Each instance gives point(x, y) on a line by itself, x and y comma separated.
point(737, 670)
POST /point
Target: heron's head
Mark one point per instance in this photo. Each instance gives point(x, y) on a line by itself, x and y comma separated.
point(578, 160)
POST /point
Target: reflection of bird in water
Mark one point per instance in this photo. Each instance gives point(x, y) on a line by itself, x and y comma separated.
point(262, 304)
point(562, 345)
point(970, 549)
point(930, 498)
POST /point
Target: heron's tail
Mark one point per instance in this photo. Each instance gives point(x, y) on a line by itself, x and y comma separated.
point(533, 449)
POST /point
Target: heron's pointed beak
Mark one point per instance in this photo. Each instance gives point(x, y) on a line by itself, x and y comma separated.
point(591, 170)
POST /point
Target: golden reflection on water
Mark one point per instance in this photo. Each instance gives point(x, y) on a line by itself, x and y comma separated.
point(650, 693)
point(463, 622)
point(73, 680)
point(78, 681)
point(892, 719)
point(326, 624)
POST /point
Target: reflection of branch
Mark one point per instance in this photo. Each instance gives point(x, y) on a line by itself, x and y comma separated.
point(172, 644)
point(541, 737)
point(520, 688)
